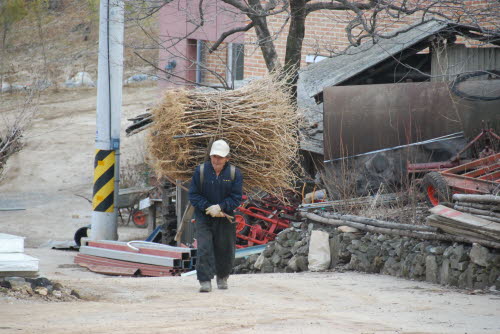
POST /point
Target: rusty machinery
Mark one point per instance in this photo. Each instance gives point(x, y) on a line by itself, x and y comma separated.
point(259, 221)
point(480, 176)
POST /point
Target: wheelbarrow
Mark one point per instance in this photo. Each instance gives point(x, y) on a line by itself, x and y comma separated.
point(128, 199)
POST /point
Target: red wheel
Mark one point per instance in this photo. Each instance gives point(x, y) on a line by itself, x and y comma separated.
point(436, 188)
point(242, 223)
point(139, 219)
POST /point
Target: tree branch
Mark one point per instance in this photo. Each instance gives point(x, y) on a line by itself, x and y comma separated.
point(156, 67)
point(311, 7)
point(227, 34)
point(238, 4)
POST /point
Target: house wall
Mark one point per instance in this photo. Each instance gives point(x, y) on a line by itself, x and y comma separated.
point(452, 60)
point(325, 33)
point(180, 27)
point(215, 64)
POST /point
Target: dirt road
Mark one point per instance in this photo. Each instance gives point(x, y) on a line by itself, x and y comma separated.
point(267, 303)
point(56, 165)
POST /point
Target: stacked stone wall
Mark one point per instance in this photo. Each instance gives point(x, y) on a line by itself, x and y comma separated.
point(459, 265)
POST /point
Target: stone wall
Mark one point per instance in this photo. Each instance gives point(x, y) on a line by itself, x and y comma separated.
point(460, 265)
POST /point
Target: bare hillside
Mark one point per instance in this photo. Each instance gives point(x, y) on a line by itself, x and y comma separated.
point(57, 43)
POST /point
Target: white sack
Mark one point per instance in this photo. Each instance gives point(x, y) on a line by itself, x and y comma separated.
point(319, 251)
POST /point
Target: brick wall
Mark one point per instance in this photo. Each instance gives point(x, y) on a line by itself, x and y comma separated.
point(326, 35)
point(215, 64)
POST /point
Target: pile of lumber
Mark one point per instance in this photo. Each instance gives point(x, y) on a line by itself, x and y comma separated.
point(259, 121)
point(463, 224)
point(13, 261)
point(136, 258)
point(483, 206)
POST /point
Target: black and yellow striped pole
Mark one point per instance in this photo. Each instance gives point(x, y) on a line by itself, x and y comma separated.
point(109, 102)
point(104, 181)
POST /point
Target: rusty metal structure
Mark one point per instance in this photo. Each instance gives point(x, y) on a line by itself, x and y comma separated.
point(480, 176)
point(389, 115)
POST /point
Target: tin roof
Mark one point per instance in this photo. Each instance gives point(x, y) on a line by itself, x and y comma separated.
point(335, 70)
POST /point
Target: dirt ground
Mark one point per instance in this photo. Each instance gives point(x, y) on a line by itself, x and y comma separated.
point(56, 165)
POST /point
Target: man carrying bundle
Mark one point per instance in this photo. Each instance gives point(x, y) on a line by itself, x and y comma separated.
point(216, 190)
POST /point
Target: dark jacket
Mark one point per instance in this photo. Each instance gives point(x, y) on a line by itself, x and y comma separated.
point(216, 190)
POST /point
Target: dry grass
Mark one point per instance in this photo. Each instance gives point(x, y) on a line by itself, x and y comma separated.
point(259, 121)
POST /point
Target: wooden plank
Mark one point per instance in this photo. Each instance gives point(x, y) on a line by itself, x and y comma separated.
point(110, 270)
point(456, 224)
point(476, 212)
point(479, 163)
point(460, 232)
point(186, 218)
point(132, 257)
point(489, 207)
point(465, 218)
point(448, 227)
point(493, 219)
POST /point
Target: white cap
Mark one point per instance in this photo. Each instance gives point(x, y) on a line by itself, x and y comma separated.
point(220, 148)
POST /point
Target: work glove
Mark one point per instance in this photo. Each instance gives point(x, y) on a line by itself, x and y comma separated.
point(214, 211)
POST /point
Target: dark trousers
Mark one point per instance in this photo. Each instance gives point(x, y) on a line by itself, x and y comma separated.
point(216, 239)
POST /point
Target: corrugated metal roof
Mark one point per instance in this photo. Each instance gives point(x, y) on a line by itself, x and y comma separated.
point(335, 70)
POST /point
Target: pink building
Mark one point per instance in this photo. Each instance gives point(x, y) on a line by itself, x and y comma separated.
point(187, 37)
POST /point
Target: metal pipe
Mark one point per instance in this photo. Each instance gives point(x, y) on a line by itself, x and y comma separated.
point(199, 55)
point(455, 135)
point(230, 66)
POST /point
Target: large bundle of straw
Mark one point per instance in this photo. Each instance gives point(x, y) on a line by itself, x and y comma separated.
point(259, 121)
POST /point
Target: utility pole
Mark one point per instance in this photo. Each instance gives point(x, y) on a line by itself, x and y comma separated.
point(109, 104)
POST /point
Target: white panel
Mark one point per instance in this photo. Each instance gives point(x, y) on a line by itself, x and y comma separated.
point(11, 243)
point(18, 262)
point(131, 257)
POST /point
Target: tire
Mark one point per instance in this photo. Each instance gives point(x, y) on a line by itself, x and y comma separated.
point(82, 232)
point(436, 189)
point(139, 218)
point(241, 219)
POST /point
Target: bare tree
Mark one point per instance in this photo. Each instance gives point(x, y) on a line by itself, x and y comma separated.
point(15, 123)
point(367, 20)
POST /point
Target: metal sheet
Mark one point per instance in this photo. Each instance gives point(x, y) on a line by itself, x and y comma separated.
point(131, 257)
point(360, 119)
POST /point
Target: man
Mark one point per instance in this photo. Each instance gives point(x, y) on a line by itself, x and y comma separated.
point(215, 195)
